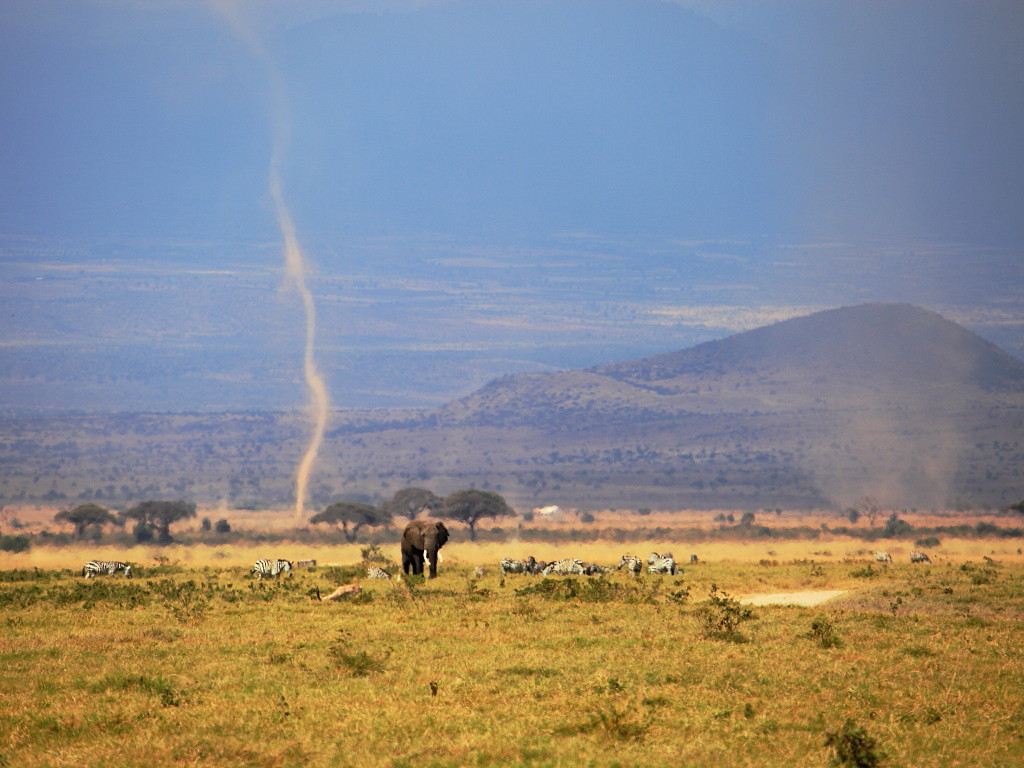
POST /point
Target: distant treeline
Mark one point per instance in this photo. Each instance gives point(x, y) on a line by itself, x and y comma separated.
point(582, 533)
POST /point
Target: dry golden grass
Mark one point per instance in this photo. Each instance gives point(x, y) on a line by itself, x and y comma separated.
point(489, 553)
point(197, 666)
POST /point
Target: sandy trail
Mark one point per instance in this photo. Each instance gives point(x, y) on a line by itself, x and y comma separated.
point(809, 598)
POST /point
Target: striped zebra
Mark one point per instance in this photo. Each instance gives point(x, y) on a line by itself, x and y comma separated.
point(567, 566)
point(94, 568)
point(376, 572)
point(592, 569)
point(661, 563)
point(633, 565)
point(883, 557)
point(919, 557)
point(271, 568)
point(510, 565)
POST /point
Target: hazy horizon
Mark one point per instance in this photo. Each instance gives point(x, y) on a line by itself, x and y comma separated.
point(483, 188)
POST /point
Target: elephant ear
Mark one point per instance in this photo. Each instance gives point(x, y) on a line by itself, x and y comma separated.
point(442, 535)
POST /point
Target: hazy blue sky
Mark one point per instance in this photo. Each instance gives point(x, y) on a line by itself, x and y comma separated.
point(832, 118)
point(691, 167)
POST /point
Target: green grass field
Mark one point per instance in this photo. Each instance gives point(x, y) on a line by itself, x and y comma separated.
point(913, 665)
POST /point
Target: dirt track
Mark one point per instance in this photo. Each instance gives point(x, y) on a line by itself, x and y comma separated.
point(810, 598)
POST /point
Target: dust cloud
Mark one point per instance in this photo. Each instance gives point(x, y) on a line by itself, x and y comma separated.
point(296, 268)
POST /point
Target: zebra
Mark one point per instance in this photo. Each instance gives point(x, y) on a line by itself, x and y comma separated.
point(590, 569)
point(108, 567)
point(633, 565)
point(919, 557)
point(883, 557)
point(565, 567)
point(661, 563)
point(509, 565)
point(376, 572)
point(271, 568)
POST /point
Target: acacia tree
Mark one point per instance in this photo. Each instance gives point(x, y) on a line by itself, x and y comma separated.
point(1017, 507)
point(870, 508)
point(409, 502)
point(470, 505)
point(158, 516)
point(351, 516)
point(84, 517)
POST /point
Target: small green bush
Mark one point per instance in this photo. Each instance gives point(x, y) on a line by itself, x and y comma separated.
point(824, 633)
point(722, 618)
point(852, 746)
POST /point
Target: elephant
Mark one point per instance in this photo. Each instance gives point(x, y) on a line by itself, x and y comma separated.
point(421, 540)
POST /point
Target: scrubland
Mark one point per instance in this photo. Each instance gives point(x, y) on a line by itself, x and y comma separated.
point(192, 663)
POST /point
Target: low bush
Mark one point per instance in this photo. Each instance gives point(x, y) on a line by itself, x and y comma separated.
point(721, 619)
point(851, 746)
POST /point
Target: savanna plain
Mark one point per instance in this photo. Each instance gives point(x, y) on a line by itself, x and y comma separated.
point(193, 662)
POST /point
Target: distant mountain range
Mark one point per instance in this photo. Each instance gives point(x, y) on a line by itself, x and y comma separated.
point(883, 400)
point(857, 357)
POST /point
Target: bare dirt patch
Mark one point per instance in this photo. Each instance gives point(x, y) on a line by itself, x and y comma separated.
point(808, 598)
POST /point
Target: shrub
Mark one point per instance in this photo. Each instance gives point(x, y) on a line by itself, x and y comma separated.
point(722, 618)
point(18, 543)
point(927, 541)
point(852, 746)
point(824, 633)
point(867, 572)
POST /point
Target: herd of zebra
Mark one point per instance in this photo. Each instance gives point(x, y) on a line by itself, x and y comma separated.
point(568, 566)
point(262, 568)
point(915, 557)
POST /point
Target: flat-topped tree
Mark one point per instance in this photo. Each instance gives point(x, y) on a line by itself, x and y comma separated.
point(84, 517)
point(409, 502)
point(470, 505)
point(159, 516)
point(351, 516)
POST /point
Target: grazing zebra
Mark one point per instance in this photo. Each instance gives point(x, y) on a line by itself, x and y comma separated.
point(509, 565)
point(375, 572)
point(661, 563)
point(590, 569)
point(919, 557)
point(883, 557)
point(565, 567)
point(271, 568)
point(633, 565)
point(108, 567)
